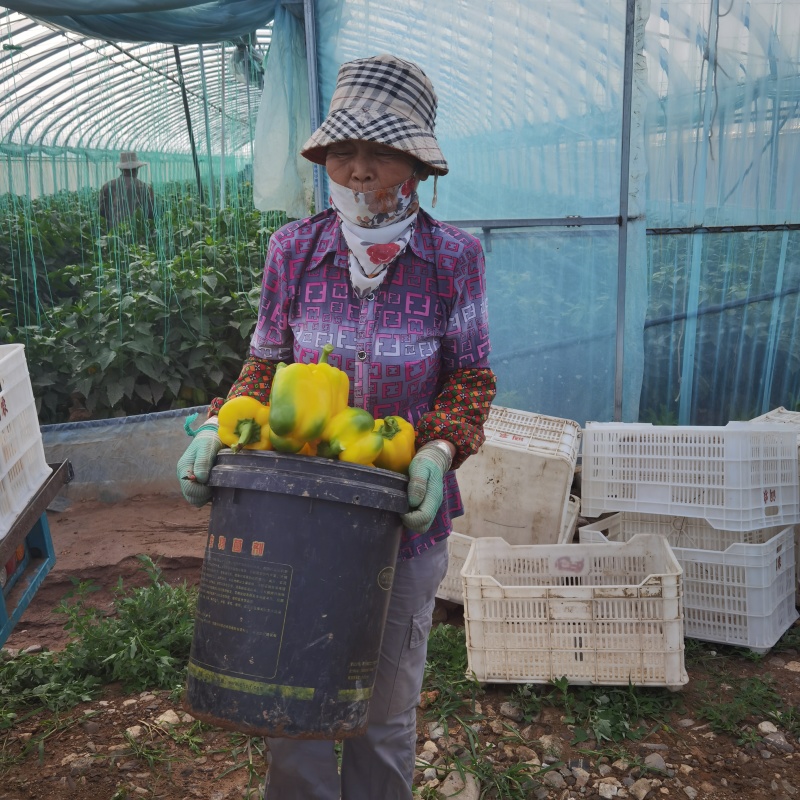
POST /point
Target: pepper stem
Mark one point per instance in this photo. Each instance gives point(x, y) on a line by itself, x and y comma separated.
point(249, 431)
point(326, 351)
point(390, 428)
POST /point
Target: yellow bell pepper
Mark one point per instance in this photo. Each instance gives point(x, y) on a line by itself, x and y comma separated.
point(303, 399)
point(398, 443)
point(244, 423)
point(350, 436)
point(339, 381)
point(285, 444)
point(364, 450)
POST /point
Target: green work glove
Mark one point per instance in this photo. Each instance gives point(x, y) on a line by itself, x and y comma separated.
point(426, 485)
point(195, 464)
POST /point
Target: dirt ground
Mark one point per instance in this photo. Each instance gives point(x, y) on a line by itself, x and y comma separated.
point(87, 757)
point(99, 542)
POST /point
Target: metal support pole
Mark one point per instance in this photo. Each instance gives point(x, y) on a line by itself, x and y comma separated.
point(249, 115)
point(313, 92)
point(624, 181)
point(188, 120)
point(222, 130)
point(697, 217)
point(208, 126)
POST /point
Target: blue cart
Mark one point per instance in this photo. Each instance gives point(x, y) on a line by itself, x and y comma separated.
point(28, 547)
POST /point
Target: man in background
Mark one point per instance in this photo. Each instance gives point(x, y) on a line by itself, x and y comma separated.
point(120, 197)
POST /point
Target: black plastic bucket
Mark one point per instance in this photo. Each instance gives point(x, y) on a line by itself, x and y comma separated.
point(294, 591)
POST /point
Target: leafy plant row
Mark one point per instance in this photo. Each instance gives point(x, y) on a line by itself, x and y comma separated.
point(145, 317)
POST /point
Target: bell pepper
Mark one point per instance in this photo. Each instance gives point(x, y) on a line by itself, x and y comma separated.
point(302, 400)
point(244, 423)
point(338, 379)
point(286, 444)
point(350, 436)
point(398, 443)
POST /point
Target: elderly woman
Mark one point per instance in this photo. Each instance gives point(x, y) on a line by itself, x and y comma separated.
point(401, 297)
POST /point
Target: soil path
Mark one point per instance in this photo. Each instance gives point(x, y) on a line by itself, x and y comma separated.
point(99, 542)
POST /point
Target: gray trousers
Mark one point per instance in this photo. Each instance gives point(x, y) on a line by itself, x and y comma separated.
point(380, 764)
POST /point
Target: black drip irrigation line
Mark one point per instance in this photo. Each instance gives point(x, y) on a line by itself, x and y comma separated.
point(576, 223)
point(718, 309)
point(677, 231)
point(188, 121)
point(596, 337)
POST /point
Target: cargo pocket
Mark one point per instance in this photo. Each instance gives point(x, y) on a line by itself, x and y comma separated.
point(408, 680)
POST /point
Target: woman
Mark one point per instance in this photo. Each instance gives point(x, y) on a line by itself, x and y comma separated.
point(402, 299)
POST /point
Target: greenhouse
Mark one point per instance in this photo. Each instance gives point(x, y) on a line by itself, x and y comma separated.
point(629, 168)
point(399, 400)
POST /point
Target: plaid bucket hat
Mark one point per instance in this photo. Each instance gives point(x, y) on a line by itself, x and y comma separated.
point(381, 99)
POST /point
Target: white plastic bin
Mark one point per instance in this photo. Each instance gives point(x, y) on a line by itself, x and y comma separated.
point(740, 477)
point(458, 545)
point(534, 613)
point(738, 586)
point(23, 467)
point(792, 420)
point(517, 485)
point(782, 416)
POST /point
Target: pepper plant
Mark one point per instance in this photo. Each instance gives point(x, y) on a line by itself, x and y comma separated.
point(136, 319)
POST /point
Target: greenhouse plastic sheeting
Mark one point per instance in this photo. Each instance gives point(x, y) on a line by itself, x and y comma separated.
point(118, 458)
point(530, 96)
point(530, 120)
point(174, 22)
point(282, 178)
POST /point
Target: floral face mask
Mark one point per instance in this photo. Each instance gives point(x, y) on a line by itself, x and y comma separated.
point(379, 207)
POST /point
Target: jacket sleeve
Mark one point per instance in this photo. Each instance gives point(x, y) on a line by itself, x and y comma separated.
point(255, 380)
point(459, 412)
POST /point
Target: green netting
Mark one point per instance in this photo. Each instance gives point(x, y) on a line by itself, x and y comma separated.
point(129, 315)
point(147, 315)
point(662, 285)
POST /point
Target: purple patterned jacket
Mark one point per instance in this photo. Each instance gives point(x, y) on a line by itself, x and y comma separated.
point(426, 323)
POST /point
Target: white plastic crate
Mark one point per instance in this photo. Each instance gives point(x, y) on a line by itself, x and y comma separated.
point(535, 613)
point(458, 545)
point(450, 588)
point(782, 416)
point(740, 477)
point(738, 586)
point(517, 485)
point(23, 467)
point(792, 420)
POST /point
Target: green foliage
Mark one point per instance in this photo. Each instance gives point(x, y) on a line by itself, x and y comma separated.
point(614, 714)
point(731, 702)
point(144, 644)
point(450, 689)
point(740, 325)
point(135, 319)
point(605, 714)
point(247, 753)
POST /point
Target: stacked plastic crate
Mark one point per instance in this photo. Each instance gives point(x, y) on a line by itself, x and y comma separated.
point(791, 419)
point(23, 470)
point(516, 487)
point(537, 607)
point(605, 614)
point(23, 467)
point(725, 498)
